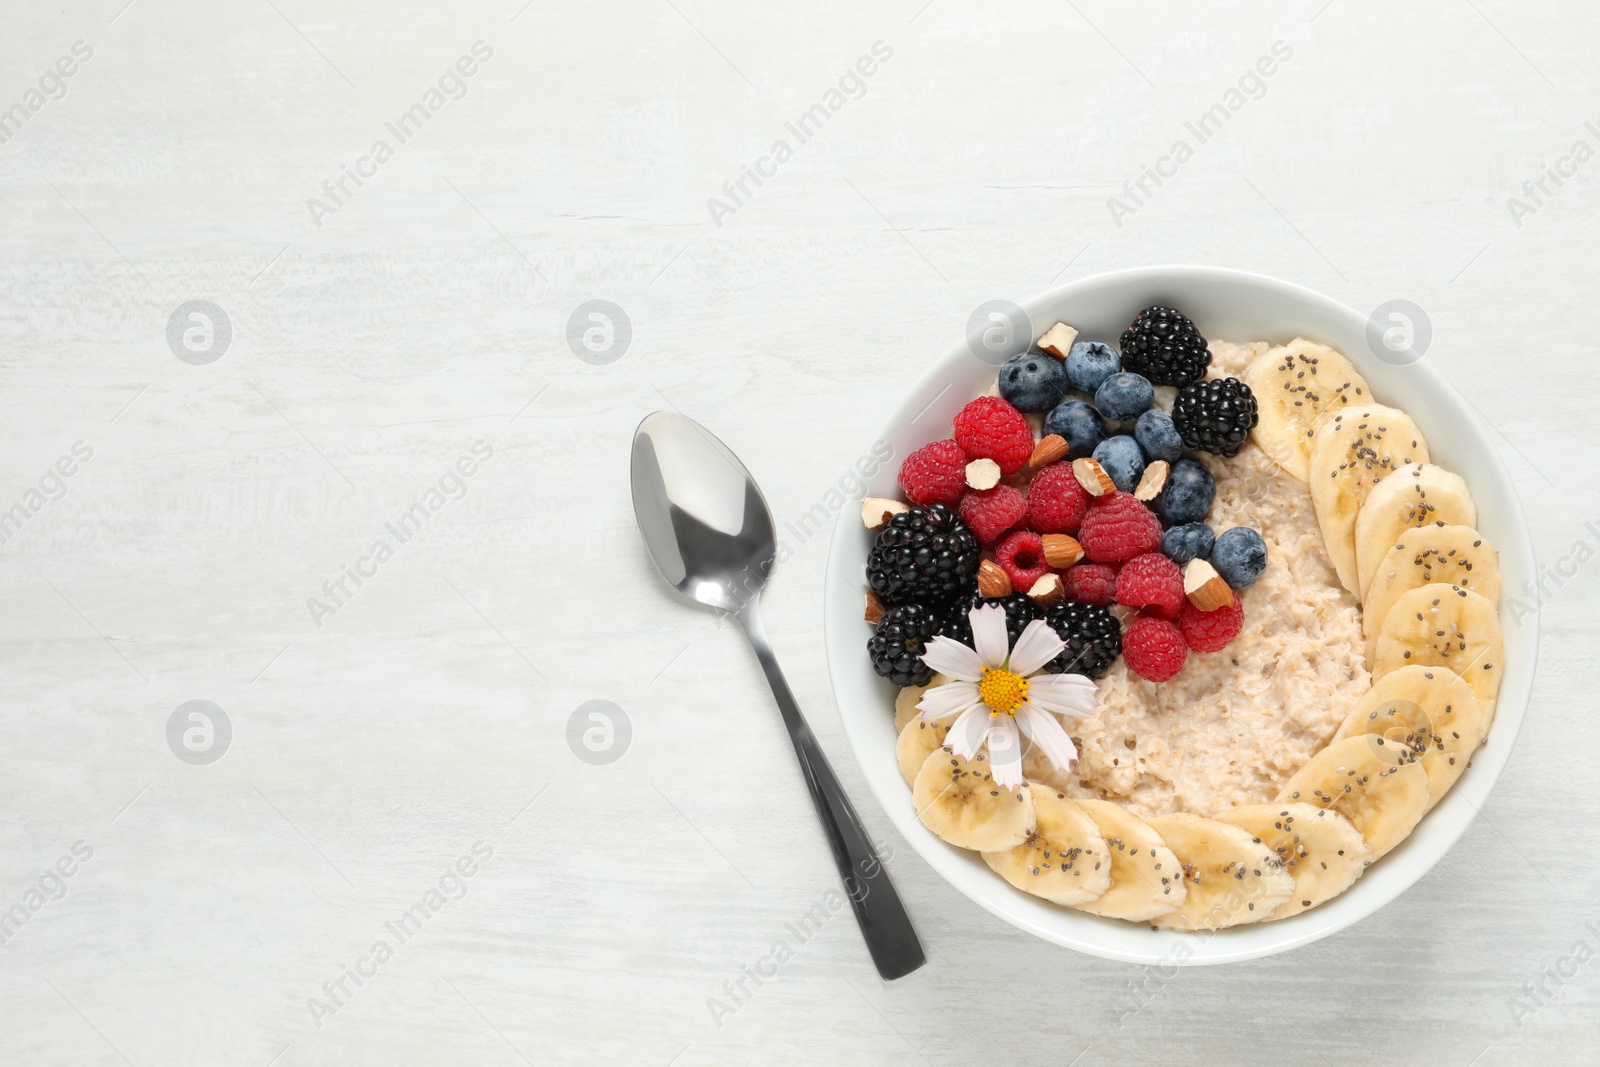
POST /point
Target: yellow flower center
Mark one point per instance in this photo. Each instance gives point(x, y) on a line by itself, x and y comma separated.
point(1002, 690)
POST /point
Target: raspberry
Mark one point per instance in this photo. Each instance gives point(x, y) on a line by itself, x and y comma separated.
point(1091, 583)
point(991, 512)
point(989, 428)
point(935, 474)
point(1210, 631)
point(1152, 581)
point(1118, 527)
point(1021, 556)
point(1154, 648)
point(1056, 500)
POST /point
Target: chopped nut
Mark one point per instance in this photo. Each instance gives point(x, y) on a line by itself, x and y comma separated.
point(1153, 480)
point(874, 608)
point(876, 511)
point(1061, 551)
point(1050, 448)
point(983, 474)
point(992, 579)
point(1093, 477)
point(1204, 586)
point(1047, 591)
point(1057, 340)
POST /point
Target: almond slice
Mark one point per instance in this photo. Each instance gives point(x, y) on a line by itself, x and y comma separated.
point(1047, 591)
point(993, 580)
point(1057, 340)
point(1050, 448)
point(1093, 477)
point(876, 511)
point(1061, 551)
point(874, 610)
point(1204, 586)
point(1153, 480)
point(983, 474)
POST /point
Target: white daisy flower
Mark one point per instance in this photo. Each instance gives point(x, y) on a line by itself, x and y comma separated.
point(997, 691)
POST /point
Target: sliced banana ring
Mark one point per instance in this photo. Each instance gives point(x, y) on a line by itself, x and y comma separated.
point(1322, 850)
point(1429, 710)
point(961, 802)
point(1146, 877)
point(1452, 554)
point(1294, 385)
point(1375, 784)
point(917, 741)
point(1230, 877)
point(1418, 494)
point(1354, 449)
point(1064, 860)
point(1443, 625)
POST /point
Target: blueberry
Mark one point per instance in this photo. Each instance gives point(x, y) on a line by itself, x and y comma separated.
point(1121, 458)
point(1089, 363)
point(1187, 496)
point(1158, 436)
point(1033, 381)
point(1079, 424)
point(1239, 556)
point(1123, 397)
point(1192, 540)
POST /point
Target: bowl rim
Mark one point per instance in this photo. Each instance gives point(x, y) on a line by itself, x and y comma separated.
point(1451, 816)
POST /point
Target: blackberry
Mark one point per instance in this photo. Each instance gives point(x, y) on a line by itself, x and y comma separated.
point(1020, 611)
point(1093, 637)
point(1165, 347)
point(895, 647)
point(927, 555)
point(1215, 416)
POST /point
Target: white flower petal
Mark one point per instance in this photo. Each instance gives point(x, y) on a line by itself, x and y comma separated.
point(1005, 752)
point(1064, 694)
point(1038, 645)
point(943, 701)
point(1046, 732)
point(953, 659)
point(989, 637)
point(967, 732)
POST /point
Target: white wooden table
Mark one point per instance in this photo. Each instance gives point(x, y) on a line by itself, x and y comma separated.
point(413, 726)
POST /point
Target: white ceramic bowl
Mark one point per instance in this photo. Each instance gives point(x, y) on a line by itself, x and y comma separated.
point(1234, 306)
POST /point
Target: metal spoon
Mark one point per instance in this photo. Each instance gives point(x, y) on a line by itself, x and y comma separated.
point(707, 527)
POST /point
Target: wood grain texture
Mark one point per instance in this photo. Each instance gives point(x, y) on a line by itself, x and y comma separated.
point(429, 312)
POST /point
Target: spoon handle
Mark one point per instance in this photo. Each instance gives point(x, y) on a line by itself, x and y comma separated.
point(887, 928)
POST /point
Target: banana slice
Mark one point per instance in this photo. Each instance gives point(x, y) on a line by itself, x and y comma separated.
point(1458, 555)
point(1354, 449)
point(1229, 876)
point(1146, 877)
point(961, 803)
point(905, 701)
point(1064, 860)
point(1322, 850)
point(919, 740)
point(1294, 385)
point(1371, 782)
point(1442, 625)
point(1431, 711)
point(1419, 494)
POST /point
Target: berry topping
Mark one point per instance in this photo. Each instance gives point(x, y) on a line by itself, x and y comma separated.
point(1124, 397)
point(1056, 500)
point(1165, 347)
point(1216, 415)
point(991, 512)
point(1021, 556)
point(1093, 637)
point(1187, 495)
point(1152, 581)
point(1019, 609)
point(935, 474)
point(1122, 459)
point(925, 554)
point(1158, 436)
point(1192, 540)
point(896, 645)
point(1210, 631)
point(1117, 527)
point(1154, 648)
point(990, 428)
point(1091, 583)
point(1031, 381)
point(1089, 363)
point(1240, 555)
point(1078, 424)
